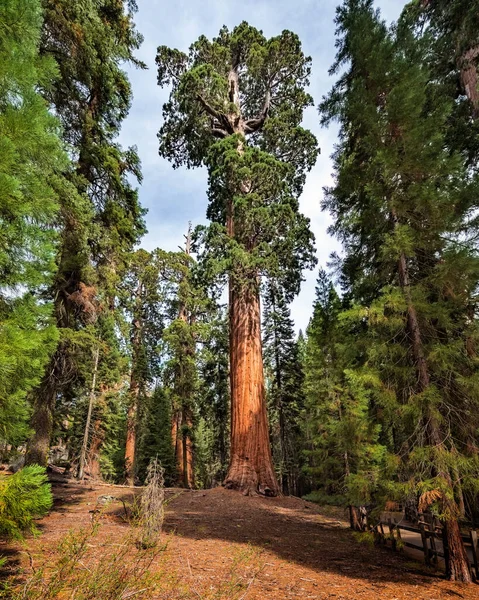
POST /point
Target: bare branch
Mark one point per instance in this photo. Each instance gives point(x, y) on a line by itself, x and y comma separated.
point(209, 109)
point(255, 124)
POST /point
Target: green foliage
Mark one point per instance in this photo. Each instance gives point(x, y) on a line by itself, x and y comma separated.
point(32, 166)
point(344, 455)
point(254, 180)
point(24, 496)
point(212, 432)
point(155, 436)
point(284, 382)
point(402, 205)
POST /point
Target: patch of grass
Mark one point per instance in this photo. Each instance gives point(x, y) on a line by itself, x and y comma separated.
point(112, 571)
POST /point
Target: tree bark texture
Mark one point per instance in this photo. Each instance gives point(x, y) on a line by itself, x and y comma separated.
point(131, 420)
point(130, 446)
point(181, 427)
point(469, 77)
point(251, 468)
point(251, 465)
point(42, 422)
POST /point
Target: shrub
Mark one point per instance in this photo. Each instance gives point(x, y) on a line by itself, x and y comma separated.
point(24, 496)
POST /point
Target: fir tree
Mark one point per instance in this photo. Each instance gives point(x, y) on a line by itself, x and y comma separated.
point(212, 434)
point(393, 162)
point(89, 41)
point(284, 387)
point(345, 457)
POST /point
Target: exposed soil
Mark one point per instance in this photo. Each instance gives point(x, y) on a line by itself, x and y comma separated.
point(281, 547)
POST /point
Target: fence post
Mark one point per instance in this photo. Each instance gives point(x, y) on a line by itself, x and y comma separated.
point(398, 529)
point(432, 537)
point(391, 533)
point(424, 543)
point(475, 551)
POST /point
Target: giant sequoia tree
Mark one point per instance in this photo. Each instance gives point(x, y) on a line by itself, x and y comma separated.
point(236, 106)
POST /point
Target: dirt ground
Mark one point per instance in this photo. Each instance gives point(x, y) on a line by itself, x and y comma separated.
point(278, 548)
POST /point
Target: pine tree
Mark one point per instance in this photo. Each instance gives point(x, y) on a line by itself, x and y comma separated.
point(155, 436)
point(236, 106)
point(24, 497)
point(345, 456)
point(212, 433)
point(408, 262)
point(32, 167)
point(284, 387)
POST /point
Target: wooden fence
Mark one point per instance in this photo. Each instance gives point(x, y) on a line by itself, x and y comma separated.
point(430, 532)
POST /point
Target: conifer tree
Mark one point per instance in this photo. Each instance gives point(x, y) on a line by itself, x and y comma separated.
point(89, 41)
point(400, 203)
point(236, 106)
point(345, 456)
point(212, 433)
point(141, 296)
point(284, 387)
point(32, 167)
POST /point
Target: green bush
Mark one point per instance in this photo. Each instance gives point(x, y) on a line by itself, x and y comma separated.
point(24, 496)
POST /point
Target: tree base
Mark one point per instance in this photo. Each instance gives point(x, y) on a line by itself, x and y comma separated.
point(243, 478)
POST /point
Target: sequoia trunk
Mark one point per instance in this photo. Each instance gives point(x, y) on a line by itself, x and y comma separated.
point(130, 446)
point(251, 465)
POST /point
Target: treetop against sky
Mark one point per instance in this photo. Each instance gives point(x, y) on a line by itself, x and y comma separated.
point(174, 197)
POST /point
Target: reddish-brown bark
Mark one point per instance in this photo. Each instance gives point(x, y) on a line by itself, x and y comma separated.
point(251, 465)
point(469, 78)
point(130, 446)
point(181, 427)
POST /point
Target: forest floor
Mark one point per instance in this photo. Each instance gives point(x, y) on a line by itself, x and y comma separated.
point(217, 544)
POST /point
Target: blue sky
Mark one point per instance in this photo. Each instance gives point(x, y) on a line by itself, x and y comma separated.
point(174, 197)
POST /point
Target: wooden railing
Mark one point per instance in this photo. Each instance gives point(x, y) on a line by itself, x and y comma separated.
point(429, 532)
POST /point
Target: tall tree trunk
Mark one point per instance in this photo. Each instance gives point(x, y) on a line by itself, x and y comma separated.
point(457, 564)
point(251, 464)
point(178, 445)
point(188, 472)
point(131, 421)
point(91, 401)
point(42, 419)
point(182, 419)
point(134, 392)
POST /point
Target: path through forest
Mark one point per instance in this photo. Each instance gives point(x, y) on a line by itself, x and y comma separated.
point(219, 542)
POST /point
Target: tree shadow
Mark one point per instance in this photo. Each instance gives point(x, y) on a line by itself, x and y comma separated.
point(292, 529)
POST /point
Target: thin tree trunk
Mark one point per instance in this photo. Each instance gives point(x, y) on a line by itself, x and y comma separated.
point(131, 420)
point(84, 447)
point(457, 565)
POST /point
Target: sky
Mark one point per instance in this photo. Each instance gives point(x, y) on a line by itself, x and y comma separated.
point(175, 197)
